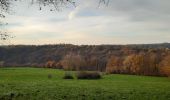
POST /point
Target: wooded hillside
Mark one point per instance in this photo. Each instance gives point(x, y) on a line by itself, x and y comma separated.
point(144, 59)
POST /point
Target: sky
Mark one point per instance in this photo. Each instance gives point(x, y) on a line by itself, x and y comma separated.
point(119, 22)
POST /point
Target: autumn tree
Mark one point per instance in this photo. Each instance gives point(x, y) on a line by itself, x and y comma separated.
point(153, 63)
point(59, 65)
point(92, 63)
point(114, 65)
point(143, 63)
point(127, 63)
point(73, 62)
point(134, 64)
point(50, 64)
point(95, 63)
point(165, 65)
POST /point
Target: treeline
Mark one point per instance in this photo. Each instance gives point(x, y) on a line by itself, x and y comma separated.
point(144, 63)
point(149, 63)
point(146, 59)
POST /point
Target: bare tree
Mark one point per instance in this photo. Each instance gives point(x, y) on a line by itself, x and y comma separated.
point(4, 9)
point(56, 4)
point(5, 6)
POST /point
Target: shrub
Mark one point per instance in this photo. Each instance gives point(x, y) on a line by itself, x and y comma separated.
point(88, 75)
point(50, 64)
point(68, 75)
point(165, 71)
point(49, 76)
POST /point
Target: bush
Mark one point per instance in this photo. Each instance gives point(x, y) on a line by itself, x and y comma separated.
point(49, 76)
point(165, 71)
point(68, 75)
point(88, 75)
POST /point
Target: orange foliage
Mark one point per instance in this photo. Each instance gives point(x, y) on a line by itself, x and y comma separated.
point(165, 69)
point(50, 64)
point(114, 65)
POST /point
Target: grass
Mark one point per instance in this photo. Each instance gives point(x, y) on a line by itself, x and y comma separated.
point(34, 84)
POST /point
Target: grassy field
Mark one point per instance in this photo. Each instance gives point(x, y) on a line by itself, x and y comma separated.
point(34, 84)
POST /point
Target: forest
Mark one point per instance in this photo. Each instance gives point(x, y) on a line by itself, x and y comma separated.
point(141, 59)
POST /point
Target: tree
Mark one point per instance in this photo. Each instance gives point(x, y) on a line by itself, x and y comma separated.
point(114, 65)
point(56, 4)
point(165, 68)
point(143, 64)
point(134, 64)
point(153, 60)
point(58, 65)
point(73, 62)
point(5, 6)
point(50, 64)
point(95, 63)
point(127, 63)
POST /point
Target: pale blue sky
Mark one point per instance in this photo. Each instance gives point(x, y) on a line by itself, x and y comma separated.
point(121, 22)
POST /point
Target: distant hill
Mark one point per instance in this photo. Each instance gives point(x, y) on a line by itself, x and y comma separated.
point(34, 55)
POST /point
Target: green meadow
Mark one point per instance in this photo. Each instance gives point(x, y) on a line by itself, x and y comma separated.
point(34, 84)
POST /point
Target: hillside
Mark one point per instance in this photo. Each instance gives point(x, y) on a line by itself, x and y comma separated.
point(143, 59)
point(31, 55)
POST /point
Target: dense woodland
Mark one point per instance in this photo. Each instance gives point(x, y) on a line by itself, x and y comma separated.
point(144, 59)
